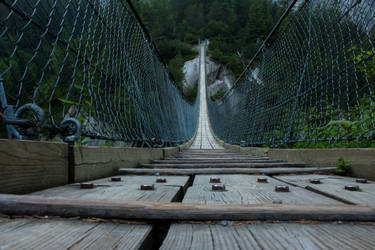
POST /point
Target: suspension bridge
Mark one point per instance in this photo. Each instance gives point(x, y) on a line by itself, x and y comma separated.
point(170, 174)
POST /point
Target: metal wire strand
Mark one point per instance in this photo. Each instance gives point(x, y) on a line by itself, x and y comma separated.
point(312, 81)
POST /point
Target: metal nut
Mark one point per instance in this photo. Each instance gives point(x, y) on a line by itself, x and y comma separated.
point(361, 180)
point(161, 180)
point(116, 179)
point(277, 202)
point(352, 187)
point(215, 180)
point(87, 185)
point(282, 188)
point(218, 187)
point(315, 181)
point(262, 179)
point(148, 187)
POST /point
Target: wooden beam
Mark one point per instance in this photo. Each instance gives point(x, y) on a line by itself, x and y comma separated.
point(268, 171)
point(33, 205)
point(224, 165)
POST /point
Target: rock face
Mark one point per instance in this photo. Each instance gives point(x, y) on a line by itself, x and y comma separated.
point(218, 77)
point(191, 72)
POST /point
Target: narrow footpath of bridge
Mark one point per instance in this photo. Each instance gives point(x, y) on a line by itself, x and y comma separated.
point(204, 138)
point(205, 197)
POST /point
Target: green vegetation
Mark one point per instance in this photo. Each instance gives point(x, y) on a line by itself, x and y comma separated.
point(218, 95)
point(234, 28)
point(343, 168)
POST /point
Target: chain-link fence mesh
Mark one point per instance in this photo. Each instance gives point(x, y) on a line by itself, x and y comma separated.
point(312, 82)
point(90, 60)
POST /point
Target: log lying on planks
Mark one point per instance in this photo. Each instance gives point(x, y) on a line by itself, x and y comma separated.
point(226, 165)
point(33, 205)
point(268, 171)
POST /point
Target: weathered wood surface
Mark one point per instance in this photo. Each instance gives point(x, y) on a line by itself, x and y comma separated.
point(217, 159)
point(71, 234)
point(36, 205)
point(193, 161)
point(255, 194)
point(240, 180)
point(223, 156)
point(269, 171)
point(27, 166)
point(271, 236)
point(334, 186)
point(225, 165)
point(179, 181)
point(121, 190)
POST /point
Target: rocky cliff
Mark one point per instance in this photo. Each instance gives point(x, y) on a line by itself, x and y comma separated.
point(218, 76)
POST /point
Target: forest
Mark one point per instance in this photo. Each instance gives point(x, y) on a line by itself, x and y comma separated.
point(235, 29)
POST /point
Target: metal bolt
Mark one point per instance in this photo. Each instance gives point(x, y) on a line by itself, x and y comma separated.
point(352, 187)
point(361, 180)
point(218, 187)
point(148, 187)
point(277, 202)
point(161, 180)
point(282, 188)
point(87, 185)
point(262, 179)
point(215, 180)
point(116, 179)
point(315, 181)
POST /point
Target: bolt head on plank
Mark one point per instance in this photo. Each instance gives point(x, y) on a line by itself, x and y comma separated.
point(282, 188)
point(361, 180)
point(161, 180)
point(218, 187)
point(262, 179)
point(277, 202)
point(352, 187)
point(315, 181)
point(87, 185)
point(147, 187)
point(116, 179)
point(215, 180)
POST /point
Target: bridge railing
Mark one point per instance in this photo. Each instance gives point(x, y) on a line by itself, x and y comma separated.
point(86, 68)
point(312, 82)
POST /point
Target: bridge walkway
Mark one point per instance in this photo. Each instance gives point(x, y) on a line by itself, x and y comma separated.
point(204, 138)
point(205, 197)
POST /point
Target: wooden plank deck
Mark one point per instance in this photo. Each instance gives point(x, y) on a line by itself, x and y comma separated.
point(31, 233)
point(271, 236)
point(244, 189)
point(334, 186)
point(128, 190)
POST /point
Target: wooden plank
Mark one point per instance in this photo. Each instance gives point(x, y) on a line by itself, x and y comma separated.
point(225, 165)
point(184, 161)
point(240, 180)
point(71, 234)
point(127, 192)
point(257, 194)
point(34, 205)
point(174, 181)
point(179, 181)
point(334, 186)
point(27, 166)
point(216, 159)
point(271, 236)
point(270, 171)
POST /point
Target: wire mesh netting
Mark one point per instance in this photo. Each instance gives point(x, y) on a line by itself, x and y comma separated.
point(86, 63)
point(313, 81)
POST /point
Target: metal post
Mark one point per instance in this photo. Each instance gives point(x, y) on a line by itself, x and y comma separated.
point(8, 112)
